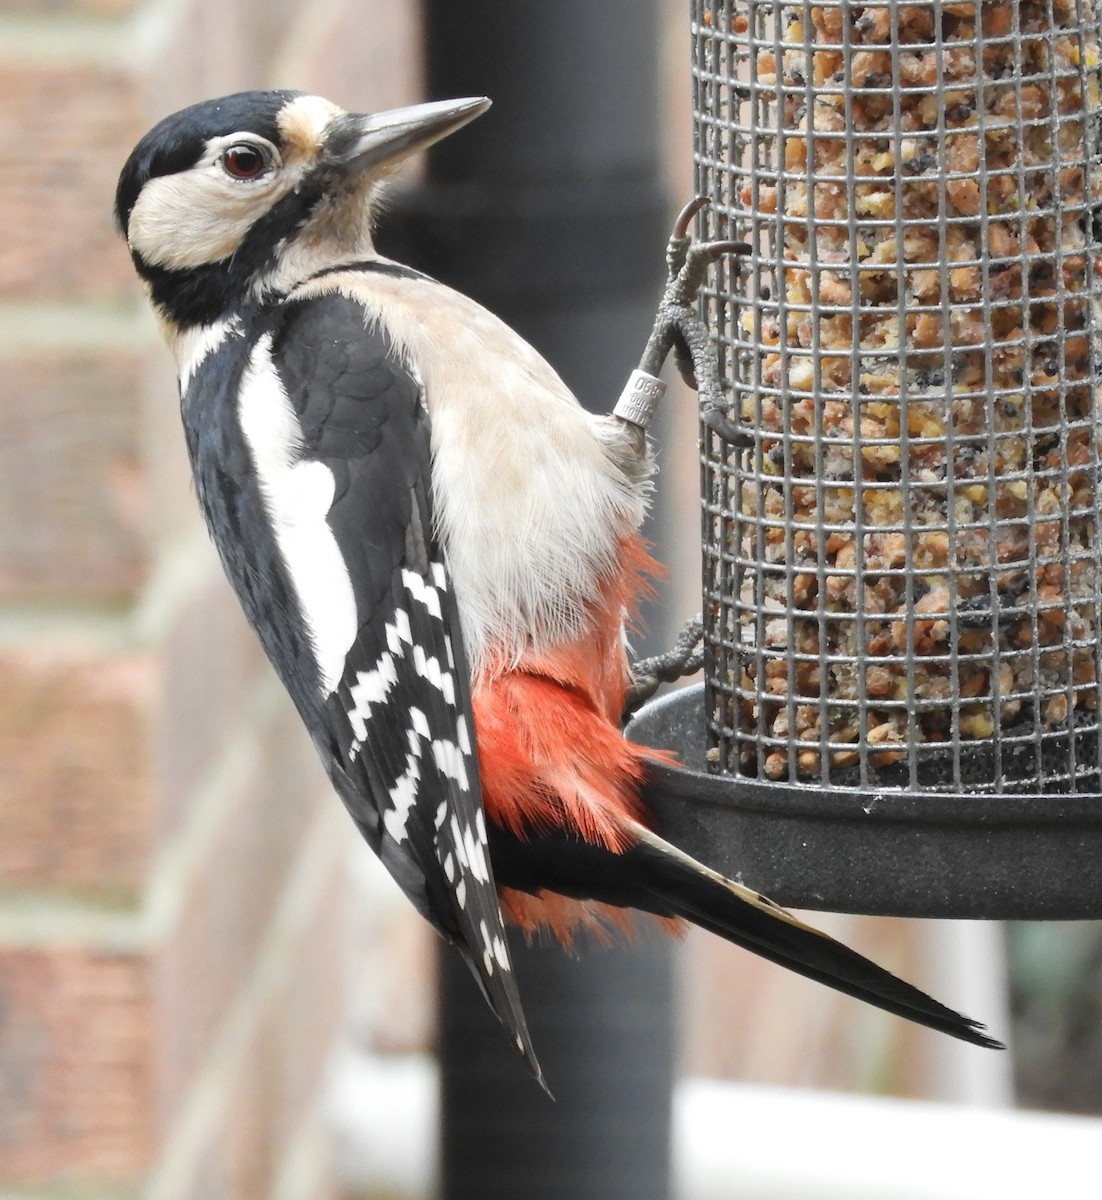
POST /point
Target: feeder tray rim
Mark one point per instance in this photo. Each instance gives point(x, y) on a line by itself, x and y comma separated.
point(824, 801)
point(886, 853)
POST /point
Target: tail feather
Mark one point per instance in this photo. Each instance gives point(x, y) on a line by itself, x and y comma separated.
point(681, 886)
point(655, 877)
point(499, 990)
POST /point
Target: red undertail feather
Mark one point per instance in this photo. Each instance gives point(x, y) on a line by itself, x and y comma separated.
point(550, 760)
point(551, 752)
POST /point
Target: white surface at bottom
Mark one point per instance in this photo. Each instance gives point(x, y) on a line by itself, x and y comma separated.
point(741, 1142)
point(746, 1142)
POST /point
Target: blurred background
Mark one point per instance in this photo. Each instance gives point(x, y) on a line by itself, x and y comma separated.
point(208, 986)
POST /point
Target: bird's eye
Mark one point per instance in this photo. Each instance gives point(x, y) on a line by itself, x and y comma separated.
point(245, 161)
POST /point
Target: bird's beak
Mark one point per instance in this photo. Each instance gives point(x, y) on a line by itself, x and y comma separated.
point(362, 142)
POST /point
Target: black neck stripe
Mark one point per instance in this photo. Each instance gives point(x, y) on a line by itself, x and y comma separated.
point(375, 265)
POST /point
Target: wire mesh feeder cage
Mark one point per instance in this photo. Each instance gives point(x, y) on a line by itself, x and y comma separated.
point(903, 578)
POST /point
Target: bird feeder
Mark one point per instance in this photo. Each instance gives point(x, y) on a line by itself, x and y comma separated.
point(903, 575)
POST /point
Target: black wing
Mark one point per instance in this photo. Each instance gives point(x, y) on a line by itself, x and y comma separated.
point(397, 731)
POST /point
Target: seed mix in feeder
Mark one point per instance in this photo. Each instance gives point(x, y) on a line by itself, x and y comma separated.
point(922, 190)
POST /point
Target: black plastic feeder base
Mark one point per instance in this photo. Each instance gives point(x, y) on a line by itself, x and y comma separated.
point(908, 854)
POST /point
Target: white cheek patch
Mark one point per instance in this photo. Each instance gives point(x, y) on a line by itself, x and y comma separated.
point(202, 216)
point(297, 496)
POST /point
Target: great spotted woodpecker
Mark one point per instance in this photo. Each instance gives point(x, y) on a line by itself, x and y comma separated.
point(436, 545)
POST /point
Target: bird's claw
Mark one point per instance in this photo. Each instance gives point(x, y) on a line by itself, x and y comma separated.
point(688, 261)
point(677, 249)
point(685, 216)
point(648, 674)
point(678, 326)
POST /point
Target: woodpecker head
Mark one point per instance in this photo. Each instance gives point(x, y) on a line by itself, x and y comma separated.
point(255, 191)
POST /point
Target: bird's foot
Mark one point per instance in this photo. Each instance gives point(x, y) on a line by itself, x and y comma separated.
point(648, 674)
point(678, 326)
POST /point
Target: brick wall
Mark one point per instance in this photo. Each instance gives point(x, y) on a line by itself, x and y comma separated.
point(171, 875)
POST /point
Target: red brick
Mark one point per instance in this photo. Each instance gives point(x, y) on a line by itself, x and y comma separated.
point(75, 769)
point(64, 133)
point(108, 8)
point(215, 48)
point(210, 662)
point(276, 1080)
point(286, 1060)
point(75, 1082)
point(359, 55)
point(102, 754)
point(98, 1050)
point(164, 453)
point(365, 61)
point(230, 901)
point(74, 499)
point(270, 27)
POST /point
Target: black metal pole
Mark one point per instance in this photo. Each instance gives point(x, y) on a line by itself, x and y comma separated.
point(551, 210)
point(601, 1025)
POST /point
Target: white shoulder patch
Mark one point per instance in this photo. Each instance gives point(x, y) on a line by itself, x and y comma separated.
point(297, 495)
